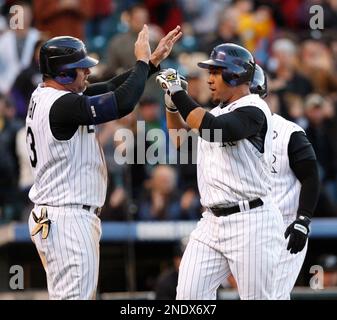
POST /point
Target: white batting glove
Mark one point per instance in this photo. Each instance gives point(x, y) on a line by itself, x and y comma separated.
point(184, 83)
point(170, 106)
point(169, 81)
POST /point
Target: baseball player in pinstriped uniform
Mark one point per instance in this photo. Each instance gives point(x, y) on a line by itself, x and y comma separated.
point(295, 189)
point(241, 229)
point(68, 163)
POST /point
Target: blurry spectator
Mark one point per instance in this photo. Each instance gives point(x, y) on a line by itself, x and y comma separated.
point(117, 202)
point(97, 28)
point(9, 203)
point(331, 128)
point(330, 14)
point(121, 183)
point(317, 134)
point(16, 48)
point(26, 83)
point(285, 80)
point(26, 179)
point(264, 29)
point(62, 17)
point(120, 53)
point(226, 31)
point(188, 42)
point(188, 62)
point(100, 27)
point(190, 203)
point(273, 102)
point(202, 15)
point(332, 41)
point(149, 113)
point(329, 264)
point(164, 13)
point(167, 281)
point(127, 181)
point(160, 201)
point(292, 12)
point(318, 65)
point(245, 16)
point(255, 28)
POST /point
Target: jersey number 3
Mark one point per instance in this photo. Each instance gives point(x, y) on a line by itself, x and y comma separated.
point(32, 157)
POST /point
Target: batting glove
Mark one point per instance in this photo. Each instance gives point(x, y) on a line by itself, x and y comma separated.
point(169, 80)
point(170, 106)
point(298, 232)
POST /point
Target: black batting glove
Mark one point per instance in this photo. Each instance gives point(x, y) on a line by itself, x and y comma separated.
point(298, 232)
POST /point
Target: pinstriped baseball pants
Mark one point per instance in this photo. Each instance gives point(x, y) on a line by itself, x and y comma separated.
point(247, 244)
point(70, 254)
point(289, 267)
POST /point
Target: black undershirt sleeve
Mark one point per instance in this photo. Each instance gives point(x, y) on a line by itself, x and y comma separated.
point(67, 113)
point(244, 122)
point(184, 103)
point(111, 85)
point(72, 110)
point(302, 161)
point(300, 148)
point(128, 93)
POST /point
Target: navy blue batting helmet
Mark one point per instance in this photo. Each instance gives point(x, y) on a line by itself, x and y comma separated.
point(259, 83)
point(237, 63)
point(60, 56)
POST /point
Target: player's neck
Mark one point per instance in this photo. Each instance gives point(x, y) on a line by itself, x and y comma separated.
point(240, 92)
point(53, 84)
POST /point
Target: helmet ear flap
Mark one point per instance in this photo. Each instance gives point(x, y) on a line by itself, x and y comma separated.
point(234, 79)
point(66, 77)
point(231, 79)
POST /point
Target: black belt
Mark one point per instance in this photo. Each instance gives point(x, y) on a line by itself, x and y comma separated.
point(97, 211)
point(221, 211)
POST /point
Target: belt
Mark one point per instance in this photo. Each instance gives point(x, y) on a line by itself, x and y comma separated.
point(97, 211)
point(242, 206)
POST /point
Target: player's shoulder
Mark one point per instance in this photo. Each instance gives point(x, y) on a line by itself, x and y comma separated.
point(218, 109)
point(46, 92)
point(67, 102)
point(252, 100)
point(286, 124)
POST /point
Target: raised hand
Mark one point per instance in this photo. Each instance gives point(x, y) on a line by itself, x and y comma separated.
point(142, 45)
point(165, 46)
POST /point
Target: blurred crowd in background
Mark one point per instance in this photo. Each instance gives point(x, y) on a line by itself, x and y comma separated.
point(300, 63)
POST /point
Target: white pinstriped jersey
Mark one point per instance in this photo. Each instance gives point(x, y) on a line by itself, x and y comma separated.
point(285, 186)
point(235, 171)
point(286, 190)
point(71, 172)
